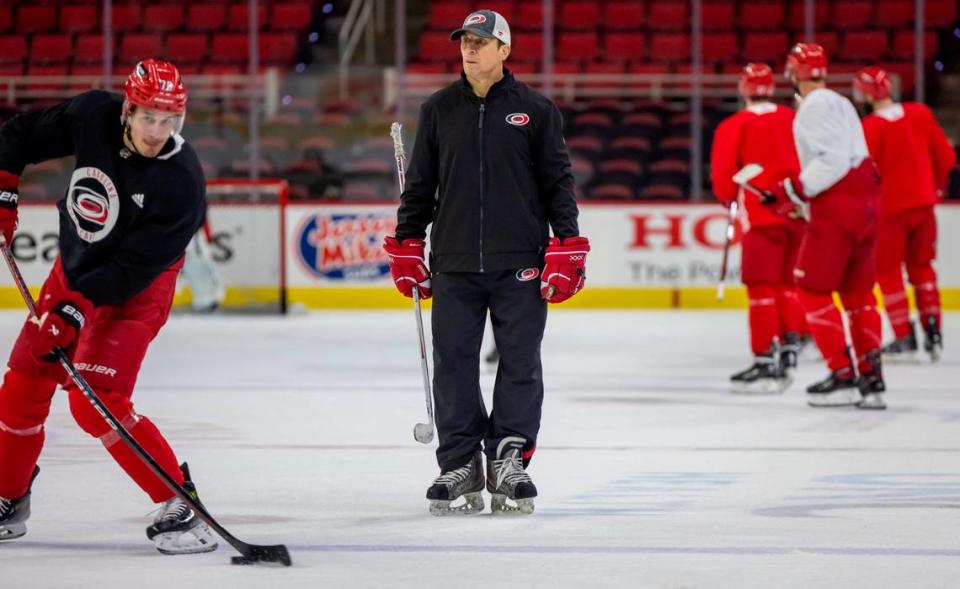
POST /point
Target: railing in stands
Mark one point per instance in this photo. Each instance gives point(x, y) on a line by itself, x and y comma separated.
point(570, 87)
point(361, 19)
point(202, 88)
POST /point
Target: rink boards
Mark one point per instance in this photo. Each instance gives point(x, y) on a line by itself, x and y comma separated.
point(651, 255)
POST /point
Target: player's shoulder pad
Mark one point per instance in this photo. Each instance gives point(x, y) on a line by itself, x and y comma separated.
point(95, 100)
point(732, 122)
point(917, 108)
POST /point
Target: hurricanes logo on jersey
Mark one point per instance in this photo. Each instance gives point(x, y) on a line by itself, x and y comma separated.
point(518, 119)
point(93, 203)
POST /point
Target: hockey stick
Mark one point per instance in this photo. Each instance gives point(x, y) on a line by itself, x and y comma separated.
point(742, 178)
point(748, 173)
point(422, 432)
point(731, 227)
point(251, 552)
point(751, 171)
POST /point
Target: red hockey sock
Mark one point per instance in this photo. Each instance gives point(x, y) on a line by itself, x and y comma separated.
point(826, 326)
point(792, 317)
point(147, 434)
point(142, 430)
point(895, 301)
point(764, 323)
point(24, 406)
point(924, 282)
point(865, 325)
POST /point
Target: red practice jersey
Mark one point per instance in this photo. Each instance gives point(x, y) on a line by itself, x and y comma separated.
point(759, 134)
point(912, 153)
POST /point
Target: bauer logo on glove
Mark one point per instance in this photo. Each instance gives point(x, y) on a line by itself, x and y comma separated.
point(564, 272)
point(58, 328)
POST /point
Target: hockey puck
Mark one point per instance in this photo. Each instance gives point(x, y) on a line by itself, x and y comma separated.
point(241, 560)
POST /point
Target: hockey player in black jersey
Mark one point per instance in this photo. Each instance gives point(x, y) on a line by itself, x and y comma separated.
point(135, 199)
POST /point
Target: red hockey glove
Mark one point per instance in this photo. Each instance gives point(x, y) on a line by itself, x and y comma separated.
point(787, 198)
point(60, 326)
point(565, 271)
point(9, 197)
point(407, 266)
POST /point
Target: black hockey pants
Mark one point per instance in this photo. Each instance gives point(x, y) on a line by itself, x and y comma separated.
point(518, 315)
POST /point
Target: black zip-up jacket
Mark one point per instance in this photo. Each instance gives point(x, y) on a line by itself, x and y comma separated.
point(124, 218)
point(489, 173)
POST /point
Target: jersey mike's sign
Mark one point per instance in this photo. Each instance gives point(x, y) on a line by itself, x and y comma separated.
point(334, 257)
point(344, 246)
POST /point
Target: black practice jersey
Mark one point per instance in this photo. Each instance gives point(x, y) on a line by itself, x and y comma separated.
point(124, 218)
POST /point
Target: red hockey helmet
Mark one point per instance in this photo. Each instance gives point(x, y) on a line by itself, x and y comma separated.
point(156, 84)
point(871, 81)
point(756, 80)
point(806, 61)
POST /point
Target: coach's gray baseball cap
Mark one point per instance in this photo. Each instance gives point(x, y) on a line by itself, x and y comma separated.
point(484, 23)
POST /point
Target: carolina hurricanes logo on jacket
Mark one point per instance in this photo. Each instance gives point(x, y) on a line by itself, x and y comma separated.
point(518, 119)
point(92, 203)
point(527, 274)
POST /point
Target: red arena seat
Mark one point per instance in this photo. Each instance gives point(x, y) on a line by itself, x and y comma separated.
point(79, 18)
point(163, 18)
point(50, 49)
point(36, 19)
point(623, 16)
point(206, 17)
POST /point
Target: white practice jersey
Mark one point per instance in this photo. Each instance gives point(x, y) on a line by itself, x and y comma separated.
point(829, 139)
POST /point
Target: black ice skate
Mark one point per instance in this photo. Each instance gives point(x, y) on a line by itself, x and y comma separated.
point(839, 389)
point(15, 512)
point(933, 339)
point(871, 384)
point(765, 377)
point(177, 529)
point(465, 481)
point(508, 481)
point(790, 353)
point(902, 350)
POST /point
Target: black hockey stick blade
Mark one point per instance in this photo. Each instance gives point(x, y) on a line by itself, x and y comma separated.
point(269, 554)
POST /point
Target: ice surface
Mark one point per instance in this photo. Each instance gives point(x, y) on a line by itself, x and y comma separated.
point(298, 430)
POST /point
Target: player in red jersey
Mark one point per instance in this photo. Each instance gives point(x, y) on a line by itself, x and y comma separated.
point(914, 158)
point(840, 183)
point(762, 133)
point(136, 197)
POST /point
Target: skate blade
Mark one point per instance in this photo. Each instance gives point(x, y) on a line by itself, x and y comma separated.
point(841, 398)
point(472, 503)
point(872, 401)
point(501, 505)
point(766, 387)
point(935, 353)
point(12, 531)
point(901, 358)
point(193, 541)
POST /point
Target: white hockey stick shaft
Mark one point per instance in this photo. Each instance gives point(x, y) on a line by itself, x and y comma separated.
point(731, 230)
point(422, 432)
